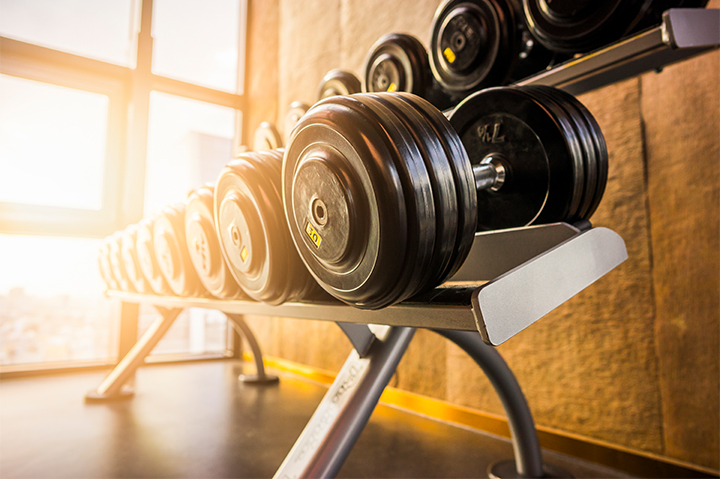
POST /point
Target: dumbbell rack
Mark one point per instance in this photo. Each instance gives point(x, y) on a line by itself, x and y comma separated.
point(510, 280)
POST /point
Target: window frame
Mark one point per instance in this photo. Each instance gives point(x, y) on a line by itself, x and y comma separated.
point(128, 90)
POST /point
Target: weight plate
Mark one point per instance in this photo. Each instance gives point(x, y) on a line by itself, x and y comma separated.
point(601, 153)
point(130, 260)
point(588, 143)
point(574, 26)
point(473, 44)
point(397, 62)
point(338, 82)
point(384, 172)
point(266, 137)
point(105, 268)
point(204, 247)
point(253, 233)
point(341, 158)
point(295, 111)
point(147, 259)
point(117, 264)
point(172, 252)
point(532, 56)
point(541, 172)
point(464, 181)
point(578, 153)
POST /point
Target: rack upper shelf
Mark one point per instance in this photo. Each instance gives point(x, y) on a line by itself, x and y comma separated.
point(684, 32)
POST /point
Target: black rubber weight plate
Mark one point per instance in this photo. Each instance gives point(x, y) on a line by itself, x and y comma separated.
point(540, 185)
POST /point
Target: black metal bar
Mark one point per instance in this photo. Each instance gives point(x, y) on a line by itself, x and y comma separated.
point(528, 456)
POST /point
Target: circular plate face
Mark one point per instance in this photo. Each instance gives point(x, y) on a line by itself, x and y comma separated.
point(253, 232)
point(293, 115)
point(204, 247)
point(172, 252)
point(147, 260)
point(397, 63)
point(266, 137)
point(339, 82)
point(132, 266)
point(572, 26)
point(533, 146)
point(473, 44)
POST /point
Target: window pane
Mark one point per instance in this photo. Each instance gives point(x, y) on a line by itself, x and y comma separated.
point(195, 331)
point(102, 30)
point(197, 42)
point(52, 306)
point(189, 142)
point(52, 144)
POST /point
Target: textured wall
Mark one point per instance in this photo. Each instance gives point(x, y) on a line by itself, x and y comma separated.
point(632, 360)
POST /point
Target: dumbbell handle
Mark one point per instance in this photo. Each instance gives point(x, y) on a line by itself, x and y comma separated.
point(489, 174)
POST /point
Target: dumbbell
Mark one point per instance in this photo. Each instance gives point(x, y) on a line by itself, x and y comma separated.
point(398, 62)
point(294, 112)
point(477, 44)
point(172, 253)
point(266, 137)
point(383, 194)
point(338, 82)
point(147, 258)
point(253, 235)
point(105, 268)
point(204, 247)
point(116, 263)
point(582, 26)
point(128, 251)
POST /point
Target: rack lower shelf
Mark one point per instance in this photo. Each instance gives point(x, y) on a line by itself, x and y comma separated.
point(540, 269)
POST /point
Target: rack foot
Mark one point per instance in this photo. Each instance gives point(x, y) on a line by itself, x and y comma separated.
point(125, 393)
point(255, 378)
point(508, 469)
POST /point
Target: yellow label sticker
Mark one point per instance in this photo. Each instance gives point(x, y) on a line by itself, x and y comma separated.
point(449, 54)
point(392, 87)
point(316, 239)
point(244, 253)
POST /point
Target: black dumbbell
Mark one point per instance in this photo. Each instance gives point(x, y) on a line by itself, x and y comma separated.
point(477, 44)
point(117, 264)
point(383, 194)
point(338, 82)
point(582, 26)
point(147, 258)
point(294, 112)
point(172, 253)
point(204, 247)
point(253, 234)
point(398, 62)
point(266, 137)
point(128, 251)
point(106, 272)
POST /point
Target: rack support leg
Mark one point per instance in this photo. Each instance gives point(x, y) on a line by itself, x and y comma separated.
point(260, 376)
point(112, 387)
point(528, 456)
point(335, 426)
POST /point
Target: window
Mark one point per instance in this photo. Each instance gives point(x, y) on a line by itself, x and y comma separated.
point(97, 101)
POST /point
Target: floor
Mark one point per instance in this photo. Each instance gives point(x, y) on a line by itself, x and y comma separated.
point(195, 420)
